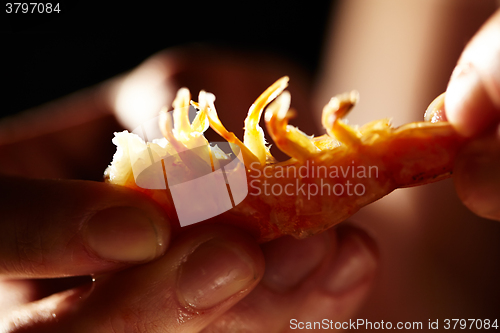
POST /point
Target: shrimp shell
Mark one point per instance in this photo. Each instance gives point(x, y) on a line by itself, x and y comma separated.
point(327, 178)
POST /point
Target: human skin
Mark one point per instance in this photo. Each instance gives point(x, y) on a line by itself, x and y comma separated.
point(143, 279)
point(428, 257)
point(434, 251)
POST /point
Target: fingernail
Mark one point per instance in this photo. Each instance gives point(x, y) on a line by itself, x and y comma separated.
point(468, 106)
point(435, 111)
point(290, 261)
point(354, 264)
point(214, 272)
point(124, 234)
point(477, 176)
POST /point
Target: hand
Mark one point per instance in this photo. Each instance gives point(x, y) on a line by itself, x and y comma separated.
point(59, 229)
point(473, 107)
point(207, 278)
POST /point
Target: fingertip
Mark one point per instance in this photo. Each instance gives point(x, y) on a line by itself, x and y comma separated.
point(126, 234)
point(469, 107)
point(473, 94)
point(119, 227)
point(218, 266)
point(216, 271)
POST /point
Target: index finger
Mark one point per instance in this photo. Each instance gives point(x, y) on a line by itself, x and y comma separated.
point(54, 228)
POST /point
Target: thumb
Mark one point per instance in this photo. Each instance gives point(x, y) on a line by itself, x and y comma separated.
point(52, 228)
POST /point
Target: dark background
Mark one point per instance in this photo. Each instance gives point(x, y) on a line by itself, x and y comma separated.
point(45, 56)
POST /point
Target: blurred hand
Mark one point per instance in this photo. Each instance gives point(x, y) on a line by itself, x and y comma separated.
point(235, 78)
point(473, 107)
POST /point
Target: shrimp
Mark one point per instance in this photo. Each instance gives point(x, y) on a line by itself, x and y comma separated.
point(326, 180)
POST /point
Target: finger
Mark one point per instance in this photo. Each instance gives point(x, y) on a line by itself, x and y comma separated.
point(204, 273)
point(345, 285)
point(292, 267)
point(476, 176)
point(325, 276)
point(16, 292)
point(473, 94)
point(53, 228)
point(59, 139)
point(40, 316)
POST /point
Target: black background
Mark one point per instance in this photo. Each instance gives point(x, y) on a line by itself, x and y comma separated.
point(45, 56)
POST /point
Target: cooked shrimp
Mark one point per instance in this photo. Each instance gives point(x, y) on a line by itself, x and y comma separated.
point(326, 180)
